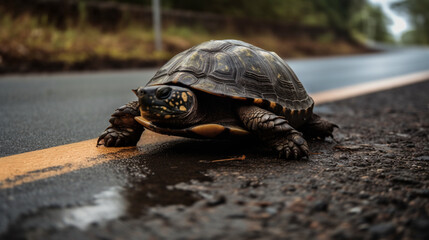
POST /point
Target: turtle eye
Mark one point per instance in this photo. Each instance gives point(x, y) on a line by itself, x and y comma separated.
point(163, 93)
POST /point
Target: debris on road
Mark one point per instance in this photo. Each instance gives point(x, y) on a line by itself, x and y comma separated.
point(372, 184)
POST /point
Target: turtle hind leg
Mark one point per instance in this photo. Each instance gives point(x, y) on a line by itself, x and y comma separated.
point(123, 129)
point(318, 127)
point(274, 131)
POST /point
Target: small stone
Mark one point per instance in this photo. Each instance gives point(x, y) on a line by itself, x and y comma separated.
point(215, 201)
point(340, 234)
point(403, 135)
point(363, 195)
point(289, 189)
point(419, 227)
point(319, 206)
point(393, 145)
point(420, 193)
point(355, 210)
point(297, 206)
point(382, 230)
point(390, 155)
point(369, 216)
point(404, 180)
point(271, 210)
point(246, 184)
point(363, 226)
point(382, 200)
point(422, 158)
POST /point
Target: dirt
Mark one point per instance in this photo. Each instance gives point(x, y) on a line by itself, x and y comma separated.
point(371, 182)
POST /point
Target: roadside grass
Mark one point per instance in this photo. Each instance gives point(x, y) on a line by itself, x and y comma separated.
point(34, 39)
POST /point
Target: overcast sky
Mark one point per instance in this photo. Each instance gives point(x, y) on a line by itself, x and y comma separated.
point(399, 22)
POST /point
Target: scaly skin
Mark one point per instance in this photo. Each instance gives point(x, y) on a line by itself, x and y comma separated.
point(316, 127)
point(124, 130)
point(275, 131)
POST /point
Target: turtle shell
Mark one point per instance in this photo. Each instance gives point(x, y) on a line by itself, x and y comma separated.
point(238, 70)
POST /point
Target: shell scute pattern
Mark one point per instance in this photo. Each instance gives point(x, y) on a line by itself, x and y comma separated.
point(223, 68)
point(236, 69)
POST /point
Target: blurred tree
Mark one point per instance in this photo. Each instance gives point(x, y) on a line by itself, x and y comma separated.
point(379, 23)
point(372, 23)
point(342, 16)
point(418, 12)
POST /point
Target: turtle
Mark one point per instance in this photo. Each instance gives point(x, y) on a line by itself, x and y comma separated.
point(222, 89)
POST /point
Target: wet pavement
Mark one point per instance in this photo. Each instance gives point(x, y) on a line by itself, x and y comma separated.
point(45, 110)
point(372, 182)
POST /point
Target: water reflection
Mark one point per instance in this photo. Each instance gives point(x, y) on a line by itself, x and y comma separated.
point(108, 205)
point(172, 163)
point(147, 180)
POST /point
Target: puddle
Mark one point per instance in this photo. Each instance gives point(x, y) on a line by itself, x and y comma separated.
point(148, 180)
point(168, 165)
point(107, 205)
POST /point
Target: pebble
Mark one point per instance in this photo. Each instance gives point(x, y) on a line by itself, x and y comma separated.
point(404, 180)
point(420, 193)
point(382, 230)
point(390, 155)
point(403, 135)
point(422, 158)
point(319, 206)
point(215, 201)
point(355, 210)
point(363, 195)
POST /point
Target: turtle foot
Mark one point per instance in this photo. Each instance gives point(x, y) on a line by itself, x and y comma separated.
point(318, 127)
point(293, 146)
point(118, 137)
point(124, 130)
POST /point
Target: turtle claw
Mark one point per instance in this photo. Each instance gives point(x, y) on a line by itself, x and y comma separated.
point(124, 130)
point(293, 146)
point(287, 153)
point(118, 137)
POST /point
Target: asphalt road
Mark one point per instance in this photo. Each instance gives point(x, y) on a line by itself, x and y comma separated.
point(44, 110)
point(371, 183)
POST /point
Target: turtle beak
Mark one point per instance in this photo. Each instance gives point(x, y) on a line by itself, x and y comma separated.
point(139, 92)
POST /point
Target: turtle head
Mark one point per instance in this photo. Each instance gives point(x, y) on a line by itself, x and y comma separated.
point(167, 104)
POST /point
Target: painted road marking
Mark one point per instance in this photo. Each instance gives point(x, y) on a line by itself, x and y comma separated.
point(35, 165)
point(366, 88)
point(31, 166)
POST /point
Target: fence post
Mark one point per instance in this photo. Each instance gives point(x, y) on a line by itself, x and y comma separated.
point(156, 16)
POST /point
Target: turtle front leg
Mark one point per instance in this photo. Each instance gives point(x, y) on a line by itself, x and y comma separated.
point(275, 131)
point(124, 130)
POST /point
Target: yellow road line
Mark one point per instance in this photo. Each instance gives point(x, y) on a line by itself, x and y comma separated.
point(26, 167)
point(370, 87)
point(35, 165)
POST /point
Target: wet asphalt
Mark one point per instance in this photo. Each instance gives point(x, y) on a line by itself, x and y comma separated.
point(45, 110)
point(370, 183)
point(173, 188)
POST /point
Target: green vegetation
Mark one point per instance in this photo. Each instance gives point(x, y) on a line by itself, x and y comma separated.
point(345, 17)
point(28, 37)
point(294, 28)
point(418, 12)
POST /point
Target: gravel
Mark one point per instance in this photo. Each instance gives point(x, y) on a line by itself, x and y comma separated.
point(372, 182)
